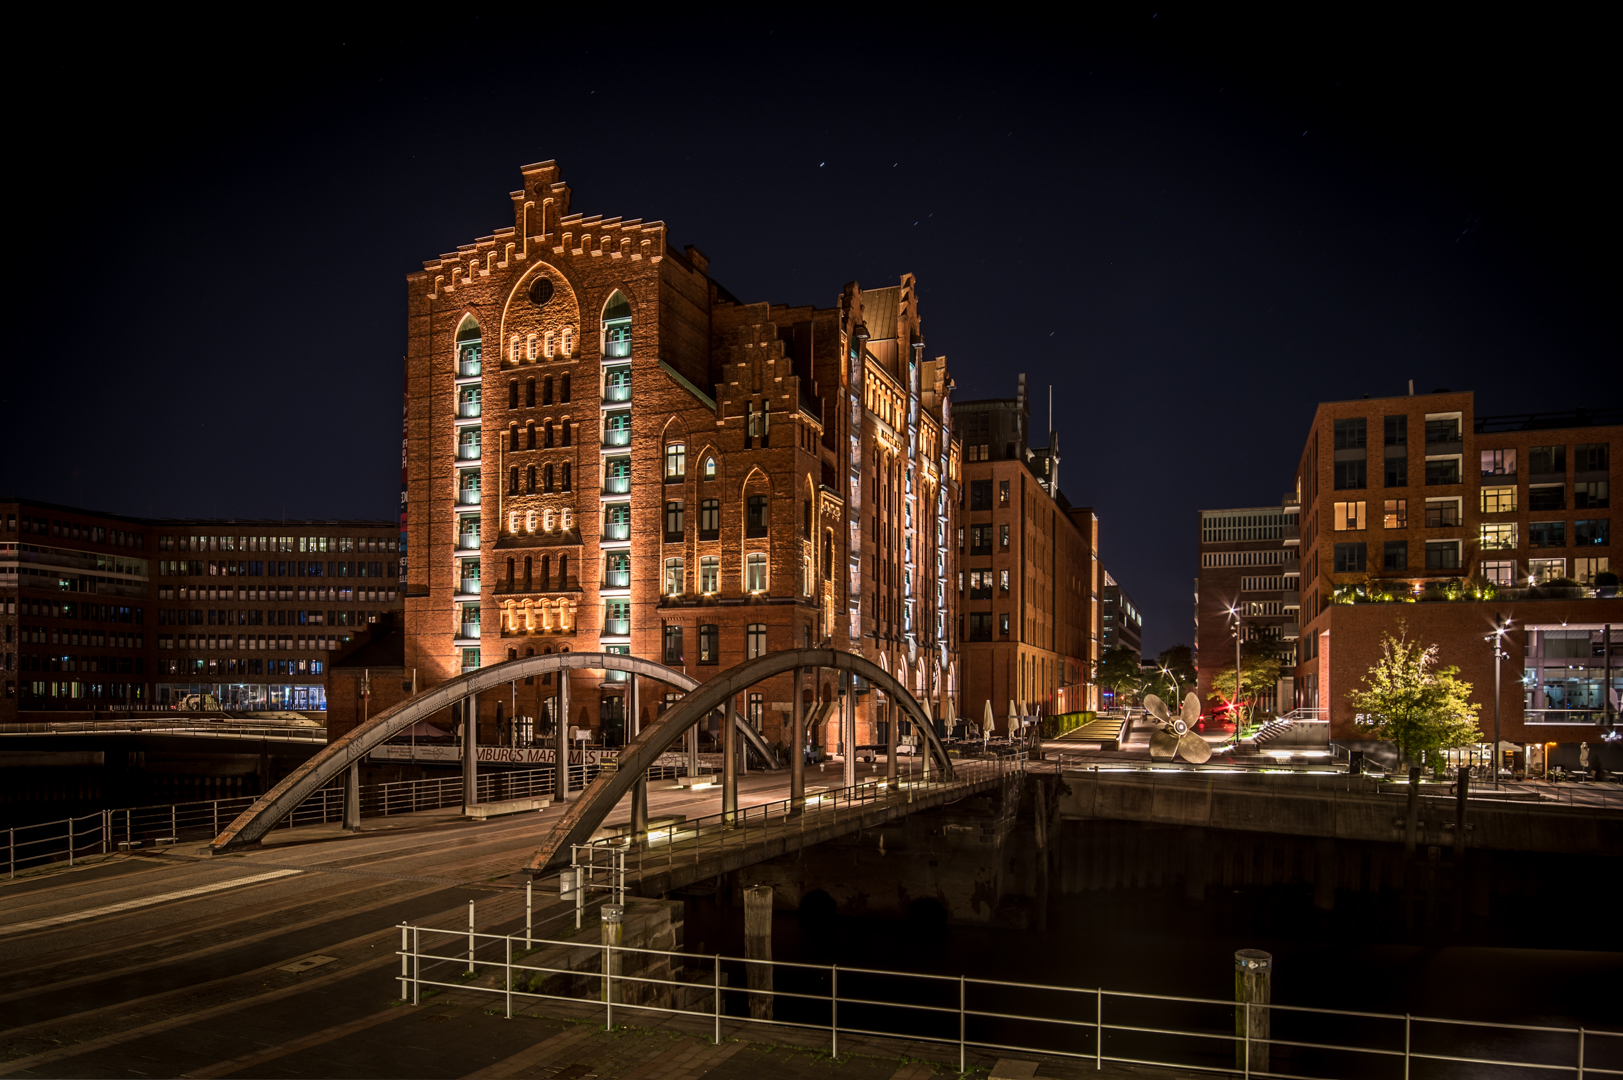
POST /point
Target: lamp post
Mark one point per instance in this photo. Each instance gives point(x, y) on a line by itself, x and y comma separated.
point(1500, 625)
point(1234, 707)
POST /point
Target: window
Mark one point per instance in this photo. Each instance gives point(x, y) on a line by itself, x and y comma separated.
point(617, 384)
point(1003, 581)
point(709, 575)
point(546, 479)
point(1591, 495)
point(673, 577)
point(529, 479)
point(1003, 493)
point(617, 570)
point(755, 521)
point(980, 494)
point(709, 643)
point(755, 572)
point(512, 394)
point(546, 437)
point(1499, 571)
point(1396, 472)
point(1584, 569)
point(755, 640)
point(565, 426)
point(1547, 534)
point(616, 327)
point(1349, 515)
point(546, 390)
point(1349, 434)
point(1592, 457)
point(563, 391)
point(1397, 430)
point(709, 468)
point(1498, 463)
point(980, 584)
point(617, 617)
point(1442, 471)
point(980, 626)
point(1003, 623)
point(709, 519)
point(1396, 515)
point(1498, 500)
point(1442, 554)
point(512, 480)
point(1350, 475)
point(806, 519)
point(1349, 558)
point(564, 484)
point(1446, 430)
point(1395, 553)
point(1499, 537)
point(1542, 570)
point(980, 539)
point(1592, 531)
point(673, 522)
point(1547, 497)
point(673, 644)
point(1544, 460)
point(676, 461)
point(1444, 514)
point(529, 393)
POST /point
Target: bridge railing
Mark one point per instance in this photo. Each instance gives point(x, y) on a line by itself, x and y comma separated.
point(1079, 1024)
point(691, 840)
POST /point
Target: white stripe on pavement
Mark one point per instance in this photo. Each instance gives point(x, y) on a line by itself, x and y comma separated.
point(145, 901)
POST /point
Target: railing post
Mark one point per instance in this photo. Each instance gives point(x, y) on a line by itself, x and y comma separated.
point(715, 1001)
point(527, 910)
point(1099, 1029)
point(11, 853)
point(217, 819)
point(1580, 1054)
point(960, 1023)
point(416, 967)
point(174, 827)
point(70, 839)
point(1406, 1028)
point(404, 945)
point(470, 937)
point(509, 969)
point(106, 828)
point(834, 1001)
point(1248, 1040)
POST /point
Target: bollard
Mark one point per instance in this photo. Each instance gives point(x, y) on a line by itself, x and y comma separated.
point(1253, 990)
point(470, 937)
point(527, 910)
point(613, 930)
point(758, 949)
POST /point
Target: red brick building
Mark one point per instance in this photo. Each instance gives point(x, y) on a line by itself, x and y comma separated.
point(1414, 509)
point(606, 450)
point(1248, 568)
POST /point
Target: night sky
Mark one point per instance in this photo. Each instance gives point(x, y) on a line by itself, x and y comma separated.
point(1193, 228)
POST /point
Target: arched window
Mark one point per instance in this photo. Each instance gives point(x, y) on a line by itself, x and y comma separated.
point(512, 437)
point(529, 392)
point(617, 326)
point(529, 437)
point(547, 436)
point(527, 579)
point(512, 394)
point(546, 484)
point(566, 486)
point(565, 425)
point(512, 480)
point(563, 389)
point(467, 347)
point(546, 390)
point(509, 573)
point(755, 521)
point(546, 572)
point(529, 478)
point(563, 571)
point(709, 468)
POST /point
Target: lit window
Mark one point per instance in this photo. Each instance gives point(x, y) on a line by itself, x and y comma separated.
point(755, 639)
point(529, 521)
point(1349, 515)
point(709, 575)
point(676, 461)
point(709, 468)
point(1499, 537)
point(546, 344)
point(755, 572)
point(673, 577)
point(1585, 569)
point(1499, 571)
point(1396, 515)
point(1498, 500)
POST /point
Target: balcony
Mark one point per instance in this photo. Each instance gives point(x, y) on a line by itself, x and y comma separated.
point(1291, 600)
point(470, 630)
point(467, 410)
point(1291, 568)
point(468, 585)
point(467, 541)
point(616, 394)
point(467, 452)
point(615, 436)
point(617, 530)
point(468, 369)
point(617, 579)
point(616, 627)
point(1442, 517)
point(1291, 534)
point(467, 497)
point(1440, 473)
point(983, 592)
point(617, 349)
point(1290, 631)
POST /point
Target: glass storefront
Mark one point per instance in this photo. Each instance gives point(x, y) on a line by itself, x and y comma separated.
point(1565, 679)
point(243, 697)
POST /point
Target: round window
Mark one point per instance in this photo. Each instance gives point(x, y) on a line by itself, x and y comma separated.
point(541, 291)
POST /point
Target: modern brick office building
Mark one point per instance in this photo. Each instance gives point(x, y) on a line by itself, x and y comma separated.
point(1121, 623)
point(607, 450)
point(1416, 511)
point(106, 613)
point(1248, 576)
point(1030, 571)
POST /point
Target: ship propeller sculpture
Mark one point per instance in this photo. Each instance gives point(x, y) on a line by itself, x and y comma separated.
point(1176, 734)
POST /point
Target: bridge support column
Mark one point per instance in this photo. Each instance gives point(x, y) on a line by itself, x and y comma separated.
point(639, 790)
point(693, 750)
point(797, 749)
point(729, 765)
point(893, 722)
point(560, 776)
point(470, 750)
point(352, 798)
point(848, 729)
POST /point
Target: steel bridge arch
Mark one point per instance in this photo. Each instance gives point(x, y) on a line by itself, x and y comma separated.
point(583, 818)
point(331, 762)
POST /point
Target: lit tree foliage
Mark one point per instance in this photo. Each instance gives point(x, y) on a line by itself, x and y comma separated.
point(1419, 706)
point(1260, 671)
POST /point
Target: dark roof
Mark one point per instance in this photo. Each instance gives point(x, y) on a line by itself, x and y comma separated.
point(1580, 417)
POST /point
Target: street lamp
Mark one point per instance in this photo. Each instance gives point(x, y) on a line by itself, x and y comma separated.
point(1177, 688)
point(1234, 706)
point(1500, 625)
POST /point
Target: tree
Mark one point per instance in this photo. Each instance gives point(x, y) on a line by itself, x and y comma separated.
point(1180, 661)
point(1118, 670)
point(1259, 675)
point(1421, 707)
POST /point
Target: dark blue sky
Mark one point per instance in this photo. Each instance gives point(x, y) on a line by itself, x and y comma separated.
point(1193, 228)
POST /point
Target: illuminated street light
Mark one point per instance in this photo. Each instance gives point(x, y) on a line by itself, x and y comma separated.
point(1500, 625)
